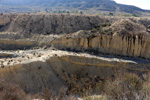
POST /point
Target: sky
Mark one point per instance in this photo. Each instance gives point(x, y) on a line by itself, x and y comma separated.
point(144, 4)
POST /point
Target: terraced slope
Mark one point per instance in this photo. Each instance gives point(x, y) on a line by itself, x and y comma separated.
point(49, 67)
point(56, 69)
point(115, 36)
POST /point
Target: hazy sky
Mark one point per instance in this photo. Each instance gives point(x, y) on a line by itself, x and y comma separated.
point(145, 4)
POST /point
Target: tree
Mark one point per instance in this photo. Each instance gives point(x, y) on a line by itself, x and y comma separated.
point(81, 12)
point(111, 14)
point(68, 12)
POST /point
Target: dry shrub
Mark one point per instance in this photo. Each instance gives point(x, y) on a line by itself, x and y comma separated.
point(10, 91)
point(126, 87)
point(132, 82)
point(95, 98)
point(61, 93)
point(146, 90)
point(146, 86)
point(114, 89)
point(49, 95)
point(37, 96)
point(70, 97)
point(99, 87)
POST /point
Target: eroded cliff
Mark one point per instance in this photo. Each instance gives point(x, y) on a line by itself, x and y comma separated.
point(133, 46)
point(124, 38)
point(71, 72)
point(108, 35)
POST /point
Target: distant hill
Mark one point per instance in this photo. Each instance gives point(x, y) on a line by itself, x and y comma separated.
point(98, 5)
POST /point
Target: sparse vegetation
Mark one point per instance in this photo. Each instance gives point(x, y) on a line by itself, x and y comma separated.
point(10, 91)
point(127, 87)
point(51, 74)
point(124, 87)
point(135, 15)
point(111, 14)
point(89, 6)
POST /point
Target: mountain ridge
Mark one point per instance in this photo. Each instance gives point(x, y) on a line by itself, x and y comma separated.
point(98, 5)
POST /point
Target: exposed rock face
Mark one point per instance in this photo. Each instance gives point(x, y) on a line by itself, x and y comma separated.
point(123, 37)
point(53, 24)
point(134, 46)
point(36, 76)
point(52, 69)
point(59, 71)
point(16, 45)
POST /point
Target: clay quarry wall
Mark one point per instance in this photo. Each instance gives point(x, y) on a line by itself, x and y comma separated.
point(133, 46)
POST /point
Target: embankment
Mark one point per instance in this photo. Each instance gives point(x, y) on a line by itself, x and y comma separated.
point(64, 71)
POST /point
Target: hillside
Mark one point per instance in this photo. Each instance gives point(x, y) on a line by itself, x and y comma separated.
point(51, 24)
point(78, 33)
point(58, 55)
point(48, 5)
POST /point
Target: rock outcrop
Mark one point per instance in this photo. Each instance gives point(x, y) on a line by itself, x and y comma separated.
point(115, 36)
point(133, 46)
point(50, 68)
point(16, 45)
point(59, 72)
point(124, 38)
